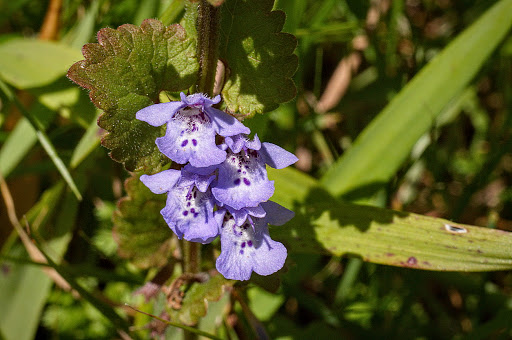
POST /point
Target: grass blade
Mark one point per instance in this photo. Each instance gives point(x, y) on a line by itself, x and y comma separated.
point(385, 144)
point(87, 144)
point(43, 139)
point(325, 225)
point(178, 325)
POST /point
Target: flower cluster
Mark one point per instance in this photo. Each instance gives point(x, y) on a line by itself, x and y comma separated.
point(221, 189)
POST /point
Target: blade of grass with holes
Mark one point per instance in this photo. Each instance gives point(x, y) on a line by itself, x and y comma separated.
point(325, 225)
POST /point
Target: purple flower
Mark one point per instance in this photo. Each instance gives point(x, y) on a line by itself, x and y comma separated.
point(192, 125)
point(243, 180)
point(230, 178)
point(246, 248)
point(189, 207)
point(239, 216)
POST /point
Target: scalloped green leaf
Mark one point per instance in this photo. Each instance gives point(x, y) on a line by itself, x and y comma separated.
point(258, 56)
point(125, 72)
point(195, 303)
point(139, 229)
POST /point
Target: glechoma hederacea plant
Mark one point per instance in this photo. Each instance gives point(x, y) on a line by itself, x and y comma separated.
point(231, 176)
point(177, 122)
point(218, 184)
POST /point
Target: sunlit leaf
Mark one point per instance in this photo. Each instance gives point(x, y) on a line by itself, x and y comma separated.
point(125, 72)
point(325, 225)
point(258, 56)
point(27, 63)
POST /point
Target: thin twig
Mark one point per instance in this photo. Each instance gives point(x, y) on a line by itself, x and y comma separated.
point(51, 23)
point(34, 253)
point(174, 324)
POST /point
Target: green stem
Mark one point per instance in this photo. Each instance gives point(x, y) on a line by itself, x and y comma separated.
point(207, 26)
point(191, 257)
point(192, 264)
point(208, 23)
point(172, 12)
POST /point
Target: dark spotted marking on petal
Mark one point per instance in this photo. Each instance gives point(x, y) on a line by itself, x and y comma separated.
point(247, 182)
point(194, 141)
point(236, 181)
point(184, 143)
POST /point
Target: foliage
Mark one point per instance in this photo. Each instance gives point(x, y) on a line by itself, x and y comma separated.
point(141, 233)
point(405, 108)
point(259, 58)
point(125, 72)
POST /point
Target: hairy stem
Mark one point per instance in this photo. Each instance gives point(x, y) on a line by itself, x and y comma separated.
point(192, 257)
point(208, 23)
point(191, 264)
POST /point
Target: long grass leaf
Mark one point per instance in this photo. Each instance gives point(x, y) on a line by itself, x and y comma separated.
point(43, 139)
point(325, 225)
point(384, 145)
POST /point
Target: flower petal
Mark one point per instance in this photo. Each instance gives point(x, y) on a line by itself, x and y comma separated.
point(276, 156)
point(244, 250)
point(189, 213)
point(159, 114)
point(200, 181)
point(239, 142)
point(243, 181)
point(240, 216)
point(201, 171)
point(190, 137)
point(224, 124)
point(199, 100)
point(276, 214)
point(161, 182)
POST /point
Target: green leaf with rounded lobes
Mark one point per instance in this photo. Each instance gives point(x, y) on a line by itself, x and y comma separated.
point(258, 56)
point(125, 72)
point(139, 229)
